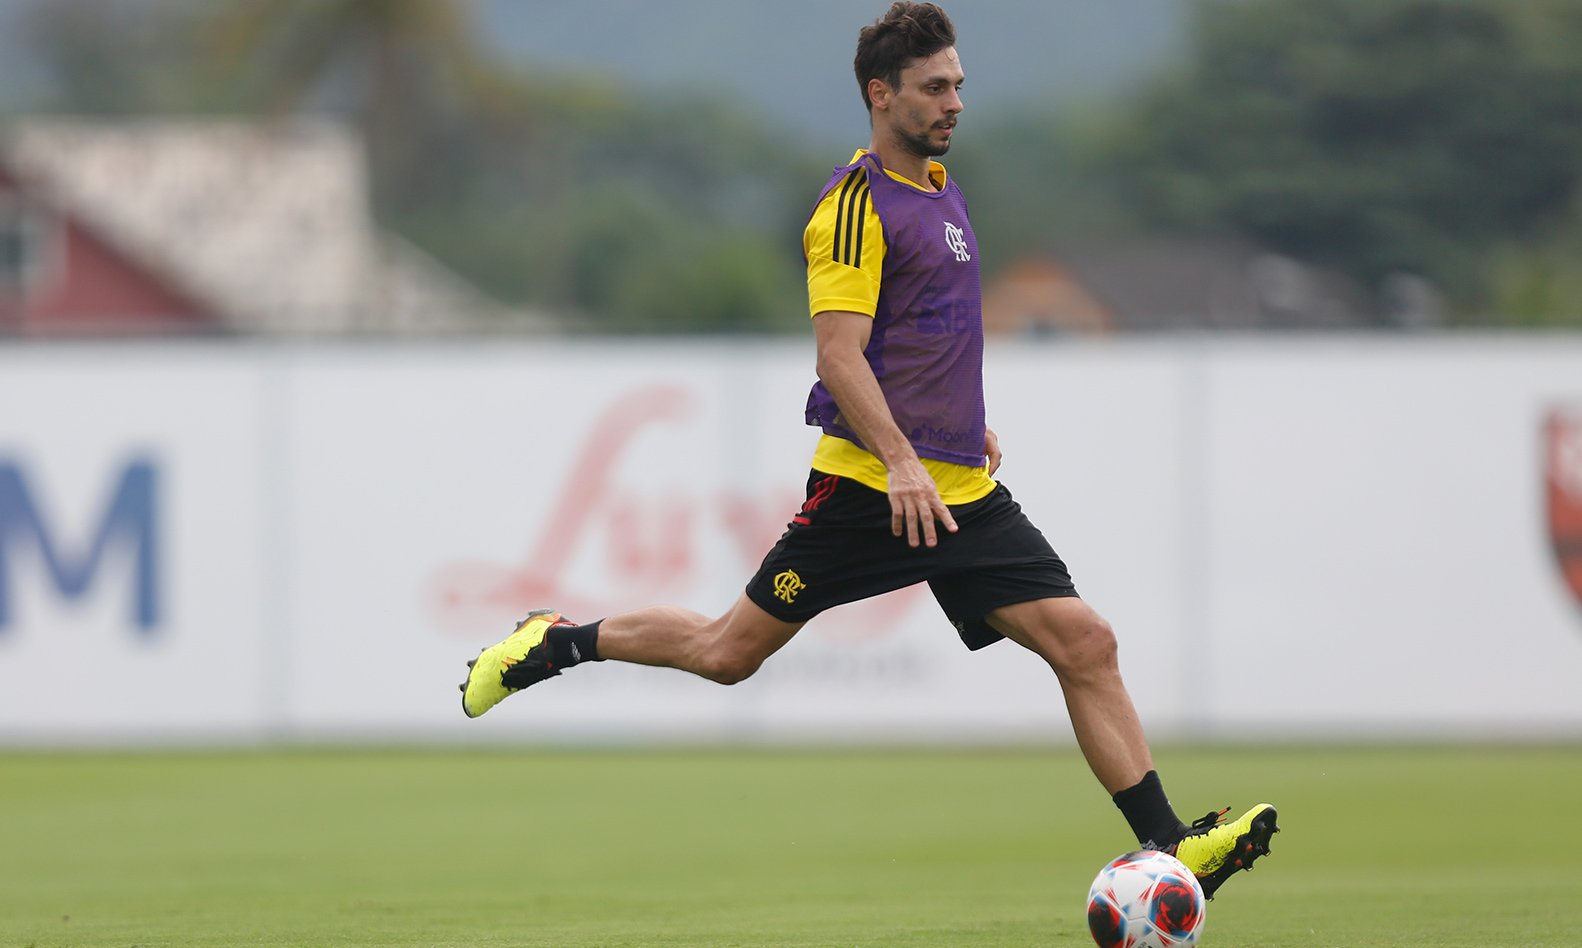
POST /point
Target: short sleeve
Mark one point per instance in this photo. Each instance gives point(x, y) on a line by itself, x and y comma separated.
point(844, 246)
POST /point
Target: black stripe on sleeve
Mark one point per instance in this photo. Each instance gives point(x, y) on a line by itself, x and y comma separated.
point(851, 219)
point(839, 204)
point(862, 217)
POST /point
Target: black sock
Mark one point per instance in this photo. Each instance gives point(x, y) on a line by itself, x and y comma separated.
point(574, 644)
point(1149, 812)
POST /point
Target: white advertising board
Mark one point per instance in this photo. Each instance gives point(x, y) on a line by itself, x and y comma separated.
point(133, 582)
point(1337, 537)
point(1379, 538)
point(595, 481)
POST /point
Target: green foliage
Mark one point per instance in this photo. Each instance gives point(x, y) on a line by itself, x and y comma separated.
point(1407, 135)
point(1539, 282)
point(643, 215)
point(1027, 185)
point(118, 59)
point(618, 208)
point(1432, 137)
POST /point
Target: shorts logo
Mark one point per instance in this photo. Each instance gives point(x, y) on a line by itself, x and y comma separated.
point(787, 585)
point(956, 240)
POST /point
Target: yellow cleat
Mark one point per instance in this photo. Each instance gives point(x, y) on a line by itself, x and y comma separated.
point(1215, 851)
point(501, 670)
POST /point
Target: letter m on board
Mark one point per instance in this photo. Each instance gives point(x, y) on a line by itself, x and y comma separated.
point(128, 523)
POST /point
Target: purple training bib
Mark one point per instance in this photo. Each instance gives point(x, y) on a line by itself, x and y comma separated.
point(927, 344)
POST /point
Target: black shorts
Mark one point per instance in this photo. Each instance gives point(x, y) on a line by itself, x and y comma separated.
point(839, 549)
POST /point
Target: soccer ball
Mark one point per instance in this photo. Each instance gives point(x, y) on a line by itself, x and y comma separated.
point(1146, 899)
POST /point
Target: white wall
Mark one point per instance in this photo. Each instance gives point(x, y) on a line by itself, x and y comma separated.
point(1313, 537)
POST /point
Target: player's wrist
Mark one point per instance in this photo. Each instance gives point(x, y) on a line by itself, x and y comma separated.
point(902, 457)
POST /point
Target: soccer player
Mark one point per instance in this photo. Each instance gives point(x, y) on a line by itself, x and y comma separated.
point(902, 487)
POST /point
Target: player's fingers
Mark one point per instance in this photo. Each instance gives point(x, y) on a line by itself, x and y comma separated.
point(897, 516)
point(938, 511)
point(912, 519)
point(945, 518)
point(930, 534)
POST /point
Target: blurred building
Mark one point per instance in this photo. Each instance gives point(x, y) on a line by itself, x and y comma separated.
point(1156, 284)
point(159, 226)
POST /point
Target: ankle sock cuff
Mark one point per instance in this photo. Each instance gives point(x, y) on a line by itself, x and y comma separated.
point(574, 644)
point(1148, 812)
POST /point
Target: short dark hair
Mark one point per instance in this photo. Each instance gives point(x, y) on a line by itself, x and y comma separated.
point(905, 34)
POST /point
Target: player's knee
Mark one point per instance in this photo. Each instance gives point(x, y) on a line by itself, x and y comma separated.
point(1086, 649)
point(730, 667)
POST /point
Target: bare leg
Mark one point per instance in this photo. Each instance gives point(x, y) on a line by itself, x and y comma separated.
point(726, 650)
point(1080, 646)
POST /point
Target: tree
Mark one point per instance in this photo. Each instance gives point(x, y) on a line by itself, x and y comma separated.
point(622, 208)
point(1407, 135)
point(569, 192)
point(101, 58)
point(410, 72)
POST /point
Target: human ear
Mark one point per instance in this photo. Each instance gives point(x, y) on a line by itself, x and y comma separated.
point(878, 93)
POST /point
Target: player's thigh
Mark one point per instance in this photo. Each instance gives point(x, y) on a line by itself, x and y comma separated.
point(746, 635)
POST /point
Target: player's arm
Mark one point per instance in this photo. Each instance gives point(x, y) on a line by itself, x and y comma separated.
point(915, 503)
point(991, 447)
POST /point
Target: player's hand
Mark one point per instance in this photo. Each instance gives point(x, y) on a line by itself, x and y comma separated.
point(915, 504)
point(991, 445)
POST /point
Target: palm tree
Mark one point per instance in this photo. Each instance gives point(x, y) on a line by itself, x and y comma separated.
point(288, 48)
point(411, 72)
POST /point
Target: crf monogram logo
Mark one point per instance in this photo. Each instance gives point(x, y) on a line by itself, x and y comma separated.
point(788, 584)
point(956, 240)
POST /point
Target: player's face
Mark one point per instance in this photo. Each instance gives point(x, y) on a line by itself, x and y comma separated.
point(923, 111)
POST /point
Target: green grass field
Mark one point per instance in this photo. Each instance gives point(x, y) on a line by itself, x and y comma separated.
point(1382, 846)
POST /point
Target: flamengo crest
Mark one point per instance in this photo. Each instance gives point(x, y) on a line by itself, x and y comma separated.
point(956, 240)
point(1563, 487)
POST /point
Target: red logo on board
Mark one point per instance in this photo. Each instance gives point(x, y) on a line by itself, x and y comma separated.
point(650, 554)
point(1563, 487)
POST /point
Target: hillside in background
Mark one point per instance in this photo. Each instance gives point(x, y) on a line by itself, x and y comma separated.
point(794, 68)
point(799, 67)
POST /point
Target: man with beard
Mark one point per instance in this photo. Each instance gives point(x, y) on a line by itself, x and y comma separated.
point(902, 487)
